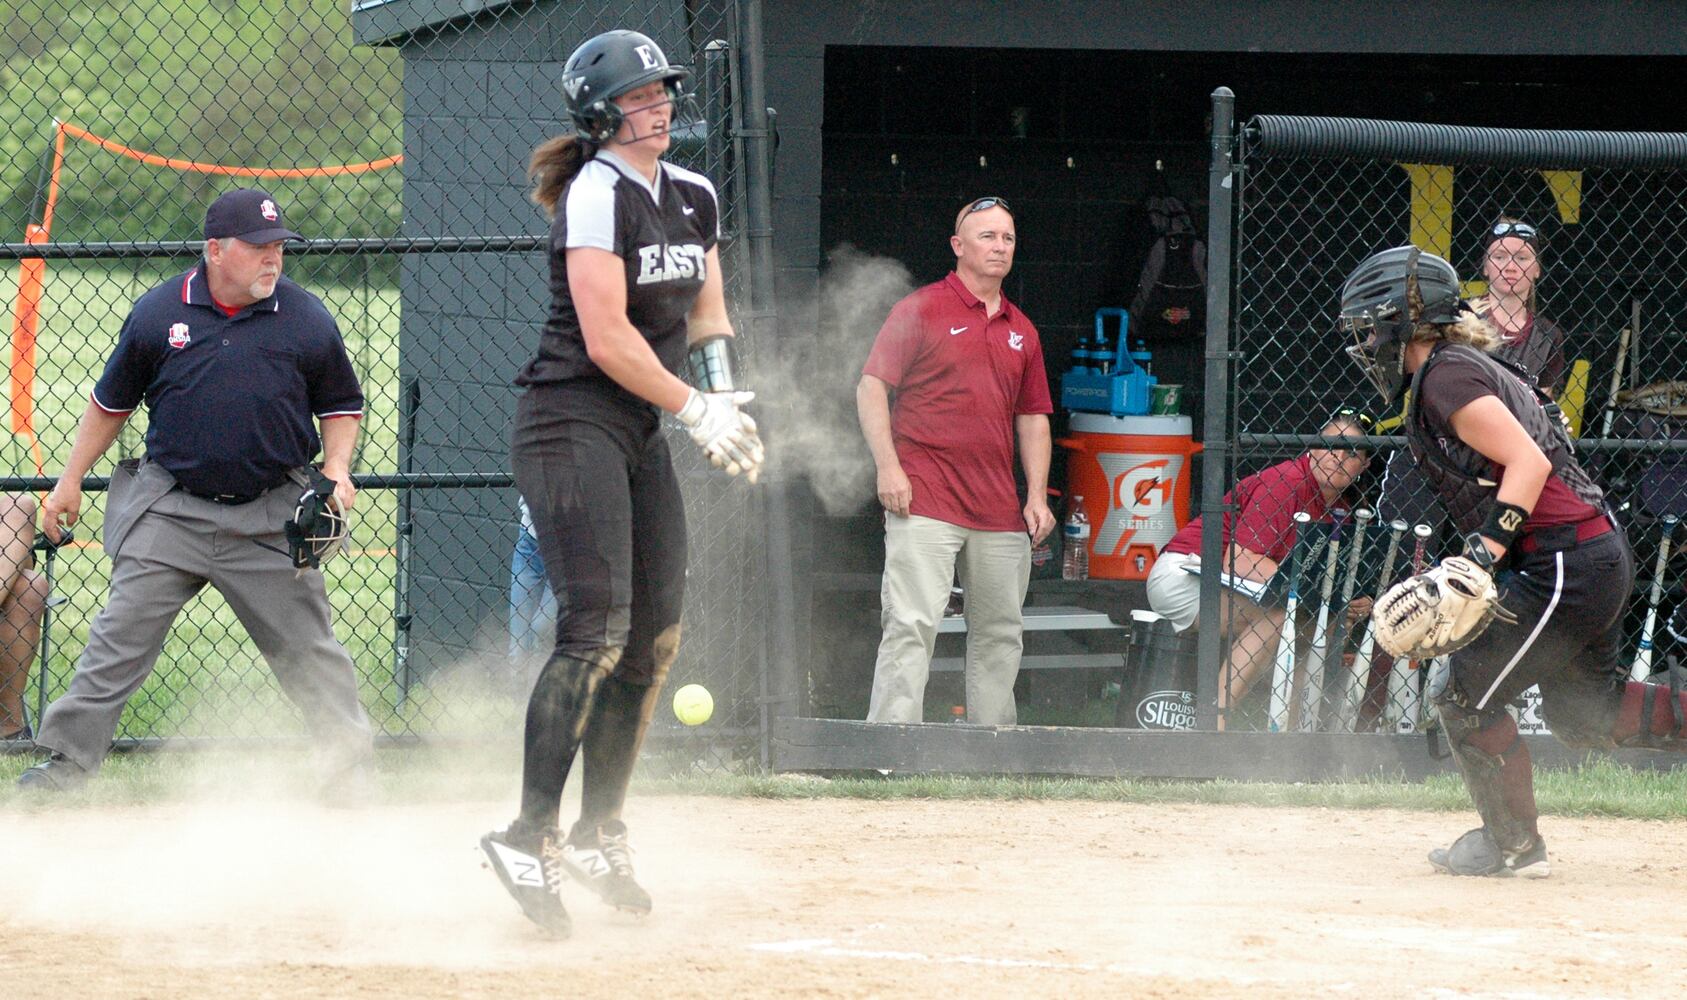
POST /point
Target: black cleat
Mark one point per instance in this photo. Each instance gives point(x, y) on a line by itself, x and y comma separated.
point(600, 859)
point(1476, 854)
point(529, 867)
point(52, 776)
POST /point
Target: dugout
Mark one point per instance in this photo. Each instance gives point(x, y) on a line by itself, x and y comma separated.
point(891, 116)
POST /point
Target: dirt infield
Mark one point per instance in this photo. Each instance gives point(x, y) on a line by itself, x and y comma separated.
point(832, 898)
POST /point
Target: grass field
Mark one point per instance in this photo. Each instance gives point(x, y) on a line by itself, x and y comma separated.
point(211, 680)
point(485, 770)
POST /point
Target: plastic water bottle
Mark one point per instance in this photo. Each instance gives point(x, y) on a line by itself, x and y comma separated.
point(1075, 563)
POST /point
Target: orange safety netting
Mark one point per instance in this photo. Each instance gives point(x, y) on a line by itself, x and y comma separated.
point(26, 312)
point(195, 166)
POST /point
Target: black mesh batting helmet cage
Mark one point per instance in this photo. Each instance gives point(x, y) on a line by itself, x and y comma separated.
point(1385, 296)
point(606, 66)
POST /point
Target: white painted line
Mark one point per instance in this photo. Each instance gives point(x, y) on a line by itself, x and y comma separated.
point(824, 946)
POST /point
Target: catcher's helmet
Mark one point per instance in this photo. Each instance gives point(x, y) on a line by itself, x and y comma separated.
point(318, 528)
point(1384, 298)
point(606, 66)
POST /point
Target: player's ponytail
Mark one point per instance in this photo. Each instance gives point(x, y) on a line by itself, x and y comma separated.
point(553, 164)
point(1468, 329)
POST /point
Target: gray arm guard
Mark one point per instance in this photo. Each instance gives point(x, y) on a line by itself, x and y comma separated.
point(710, 364)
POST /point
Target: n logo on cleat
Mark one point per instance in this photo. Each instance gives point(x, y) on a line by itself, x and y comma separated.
point(590, 862)
point(523, 869)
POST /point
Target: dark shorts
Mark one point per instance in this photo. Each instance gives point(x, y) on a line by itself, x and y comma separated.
point(610, 521)
point(1569, 605)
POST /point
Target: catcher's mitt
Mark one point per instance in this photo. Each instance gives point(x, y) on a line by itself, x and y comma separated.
point(318, 529)
point(1439, 611)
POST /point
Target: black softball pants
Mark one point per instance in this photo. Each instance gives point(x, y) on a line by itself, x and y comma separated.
point(610, 522)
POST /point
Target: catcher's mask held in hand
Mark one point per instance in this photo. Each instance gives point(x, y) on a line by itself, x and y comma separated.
point(318, 528)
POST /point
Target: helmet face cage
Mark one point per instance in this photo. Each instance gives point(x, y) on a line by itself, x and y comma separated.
point(326, 534)
point(611, 64)
point(1378, 349)
point(318, 529)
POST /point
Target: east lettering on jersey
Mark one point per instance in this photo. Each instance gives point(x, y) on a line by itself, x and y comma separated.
point(671, 263)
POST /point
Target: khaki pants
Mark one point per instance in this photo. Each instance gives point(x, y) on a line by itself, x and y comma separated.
point(921, 555)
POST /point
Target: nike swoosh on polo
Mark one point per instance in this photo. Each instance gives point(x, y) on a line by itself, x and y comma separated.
point(688, 210)
point(956, 329)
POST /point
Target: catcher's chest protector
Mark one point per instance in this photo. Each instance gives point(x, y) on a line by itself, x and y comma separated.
point(1460, 473)
point(1531, 355)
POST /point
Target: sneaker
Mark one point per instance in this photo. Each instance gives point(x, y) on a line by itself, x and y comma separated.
point(600, 859)
point(57, 773)
point(1476, 854)
point(528, 865)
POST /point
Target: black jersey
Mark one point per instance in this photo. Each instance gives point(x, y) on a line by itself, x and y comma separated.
point(663, 233)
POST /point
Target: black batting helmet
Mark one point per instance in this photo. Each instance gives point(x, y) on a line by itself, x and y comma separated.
point(1384, 298)
point(606, 66)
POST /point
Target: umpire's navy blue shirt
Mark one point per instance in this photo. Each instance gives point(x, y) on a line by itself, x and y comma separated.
point(230, 398)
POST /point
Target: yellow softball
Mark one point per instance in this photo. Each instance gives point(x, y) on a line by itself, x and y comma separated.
point(693, 704)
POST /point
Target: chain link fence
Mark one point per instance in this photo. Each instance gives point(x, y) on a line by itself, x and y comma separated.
point(395, 134)
point(1588, 303)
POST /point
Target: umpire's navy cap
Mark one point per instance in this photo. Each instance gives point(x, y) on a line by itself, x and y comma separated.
point(247, 214)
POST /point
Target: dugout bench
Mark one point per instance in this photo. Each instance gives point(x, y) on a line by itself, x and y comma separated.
point(1074, 646)
point(1058, 618)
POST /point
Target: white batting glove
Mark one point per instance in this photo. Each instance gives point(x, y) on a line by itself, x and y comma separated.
point(726, 433)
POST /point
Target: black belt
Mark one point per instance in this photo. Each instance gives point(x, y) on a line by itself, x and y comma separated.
point(1563, 537)
point(227, 499)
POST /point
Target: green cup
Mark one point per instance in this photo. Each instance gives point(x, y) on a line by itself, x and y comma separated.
point(1165, 399)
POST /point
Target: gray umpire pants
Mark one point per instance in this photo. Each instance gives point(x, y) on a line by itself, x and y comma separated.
point(165, 546)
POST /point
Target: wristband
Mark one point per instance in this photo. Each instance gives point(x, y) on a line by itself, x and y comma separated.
point(710, 363)
point(1504, 522)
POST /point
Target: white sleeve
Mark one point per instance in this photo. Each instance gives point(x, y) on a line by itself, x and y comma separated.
point(590, 209)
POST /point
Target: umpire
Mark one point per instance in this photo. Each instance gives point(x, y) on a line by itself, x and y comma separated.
point(232, 361)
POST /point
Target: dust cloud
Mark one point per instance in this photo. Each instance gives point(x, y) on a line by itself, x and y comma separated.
point(817, 435)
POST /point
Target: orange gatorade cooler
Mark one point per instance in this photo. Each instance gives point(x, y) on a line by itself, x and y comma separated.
point(1133, 473)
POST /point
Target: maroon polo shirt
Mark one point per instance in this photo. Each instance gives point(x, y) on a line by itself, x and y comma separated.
point(1265, 504)
point(959, 379)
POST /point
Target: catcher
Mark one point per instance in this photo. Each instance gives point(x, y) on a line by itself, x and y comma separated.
point(1513, 489)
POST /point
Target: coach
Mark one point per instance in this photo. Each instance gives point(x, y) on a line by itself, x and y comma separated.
point(966, 369)
point(233, 361)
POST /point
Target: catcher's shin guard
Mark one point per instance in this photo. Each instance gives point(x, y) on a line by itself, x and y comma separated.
point(620, 717)
point(556, 721)
point(1497, 771)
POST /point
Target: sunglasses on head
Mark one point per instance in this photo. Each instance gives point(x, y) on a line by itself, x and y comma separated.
point(982, 204)
point(1364, 421)
point(1521, 230)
